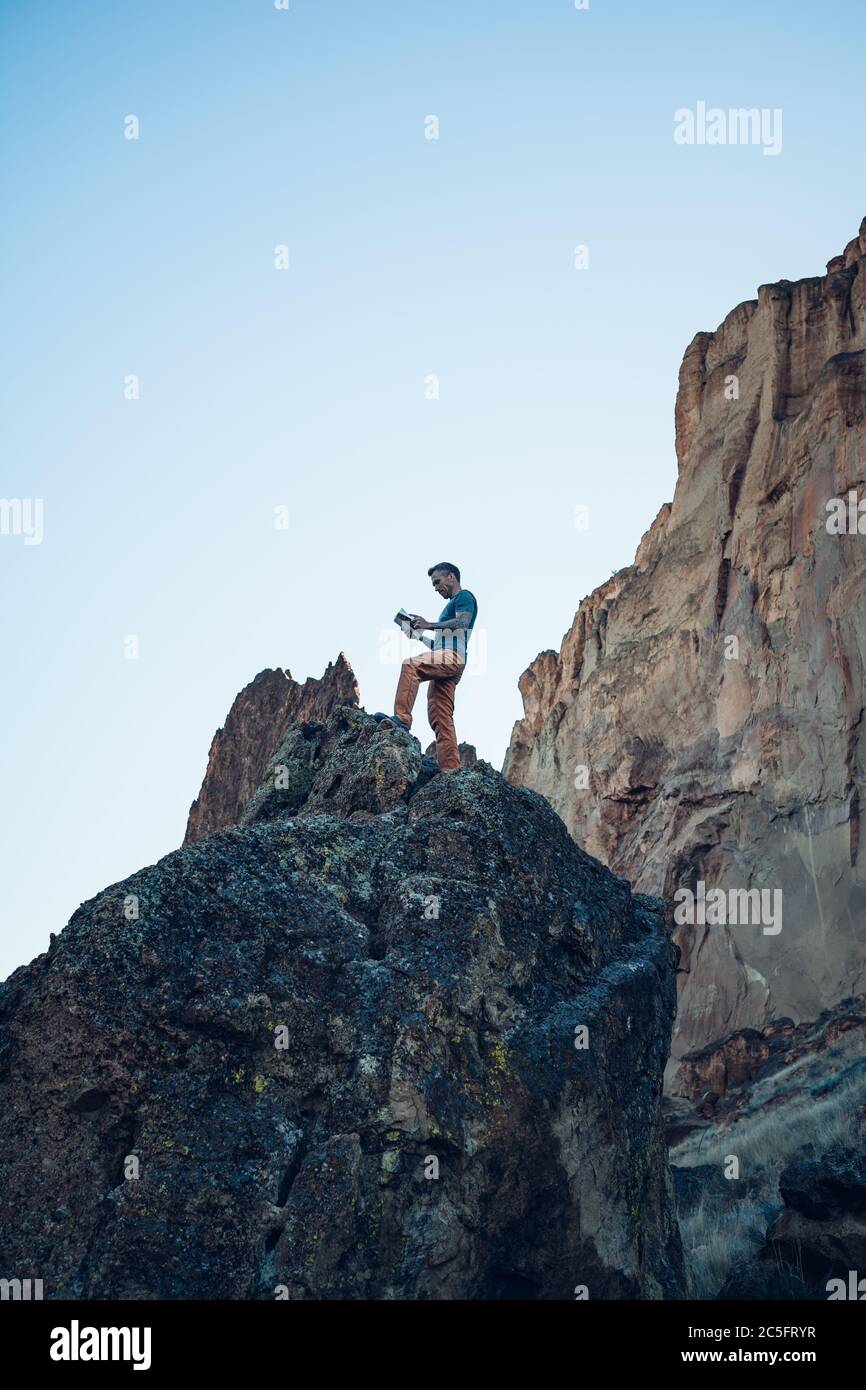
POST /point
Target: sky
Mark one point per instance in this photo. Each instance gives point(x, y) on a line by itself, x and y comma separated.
point(327, 321)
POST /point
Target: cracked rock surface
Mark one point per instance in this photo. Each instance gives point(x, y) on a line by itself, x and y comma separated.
point(330, 1054)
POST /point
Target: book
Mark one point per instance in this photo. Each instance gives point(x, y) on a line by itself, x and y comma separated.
point(404, 622)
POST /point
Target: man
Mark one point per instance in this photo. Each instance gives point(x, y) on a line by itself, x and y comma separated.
point(443, 667)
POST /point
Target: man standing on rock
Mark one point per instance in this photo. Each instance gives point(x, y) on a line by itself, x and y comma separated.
point(443, 667)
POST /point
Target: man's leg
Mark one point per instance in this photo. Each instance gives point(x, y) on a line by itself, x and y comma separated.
point(440, 712)
point(411, 675)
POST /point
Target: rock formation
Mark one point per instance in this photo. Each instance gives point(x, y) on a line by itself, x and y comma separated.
point(783, 1104)
point(240, 750)
point(703, 720)
point(336, 1052)
point(823, 1225)
point(720, 1079)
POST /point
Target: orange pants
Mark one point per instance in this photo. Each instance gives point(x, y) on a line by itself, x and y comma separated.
point(443, 670)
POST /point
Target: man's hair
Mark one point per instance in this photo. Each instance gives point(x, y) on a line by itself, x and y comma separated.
point(451, 569)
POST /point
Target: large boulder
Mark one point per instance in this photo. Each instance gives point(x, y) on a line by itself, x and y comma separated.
point(823, 1226)
point(337, 1052)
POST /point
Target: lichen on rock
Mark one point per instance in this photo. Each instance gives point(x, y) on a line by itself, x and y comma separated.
point(337, 1053)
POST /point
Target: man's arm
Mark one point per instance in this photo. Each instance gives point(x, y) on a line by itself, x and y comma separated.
point(417, 627)
point(462, 620)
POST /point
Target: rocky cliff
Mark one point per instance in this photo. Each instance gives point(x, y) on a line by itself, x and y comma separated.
point(396, 1036)
point(768, 1157)
point(240, 750)
point(703, 720)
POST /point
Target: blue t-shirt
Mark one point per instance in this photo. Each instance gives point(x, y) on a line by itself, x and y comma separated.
point(457, 638)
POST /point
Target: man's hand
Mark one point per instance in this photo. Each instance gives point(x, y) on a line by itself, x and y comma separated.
point(419, 622)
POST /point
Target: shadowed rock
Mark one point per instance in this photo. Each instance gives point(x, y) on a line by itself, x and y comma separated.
point(823, 1226)
point(819, 1236)
point(331, 1053)
point(349, 765)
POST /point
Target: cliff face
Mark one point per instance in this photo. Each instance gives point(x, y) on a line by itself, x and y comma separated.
point(704, 717)
point(790, 1103)
point(336, 1053)
point(240, 750)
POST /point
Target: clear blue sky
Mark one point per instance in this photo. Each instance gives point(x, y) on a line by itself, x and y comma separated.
point(306, 388)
